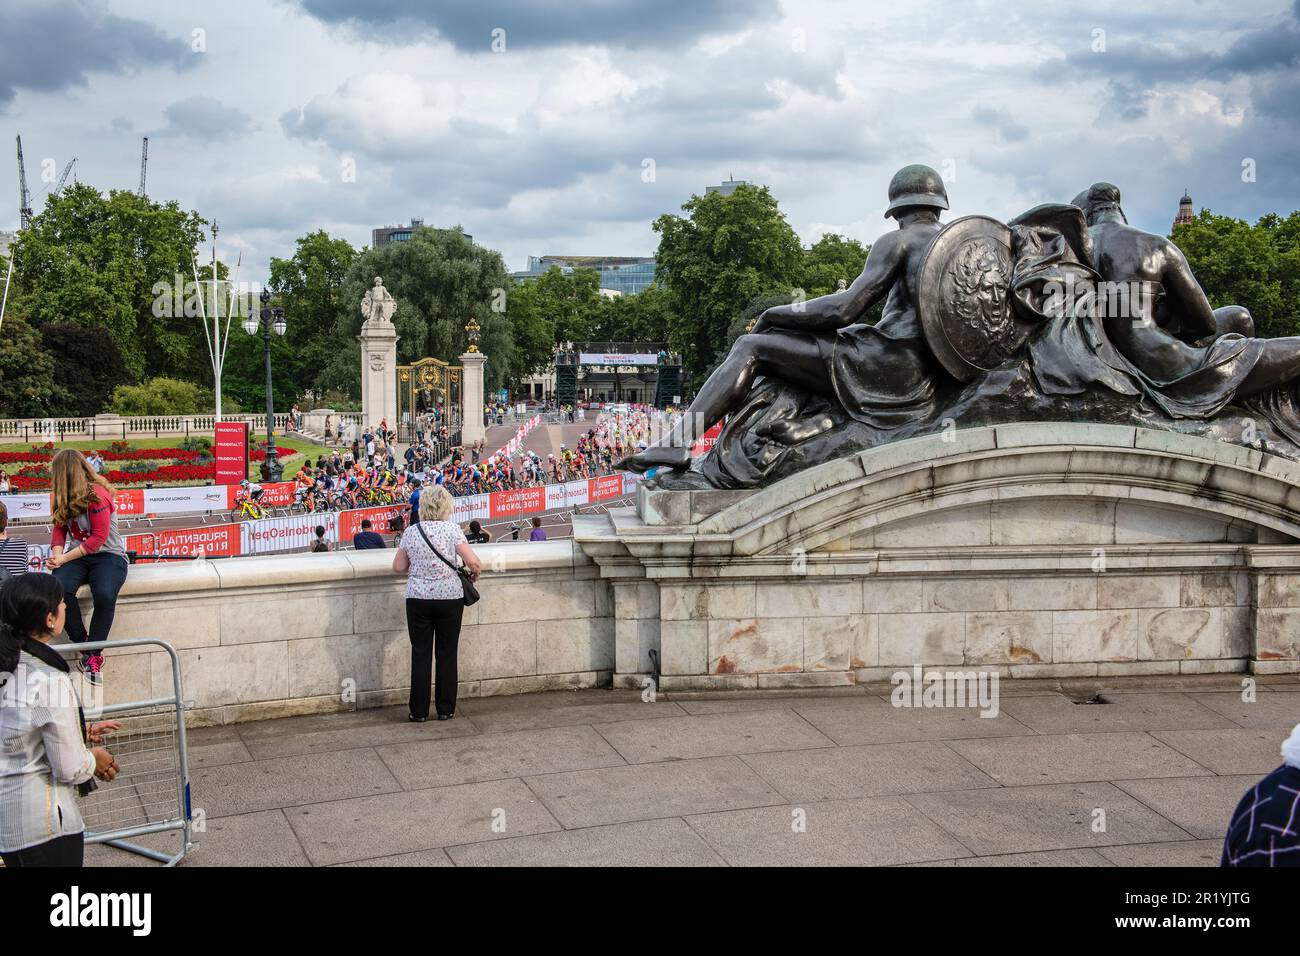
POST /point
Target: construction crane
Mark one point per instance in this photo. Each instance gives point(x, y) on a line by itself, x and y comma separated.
point(63, 177)
point(144, 161)
point(24, 197)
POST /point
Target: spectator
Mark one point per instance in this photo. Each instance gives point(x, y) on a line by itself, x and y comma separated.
point(329, 428)
point(320, 544)
point(1263, 828)
point(82, 507)
point(14, 552)
point(476, 534)
point(366, 539)
point(4, 484)
point(538, 533)
point(435, 601)
point(415, 501)
point(48, 748)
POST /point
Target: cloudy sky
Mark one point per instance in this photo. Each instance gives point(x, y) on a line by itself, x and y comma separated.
point(565, 127)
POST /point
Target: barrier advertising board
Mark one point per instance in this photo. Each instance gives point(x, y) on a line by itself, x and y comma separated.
point(231, 451)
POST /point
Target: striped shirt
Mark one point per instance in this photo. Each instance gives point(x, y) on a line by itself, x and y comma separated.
point(14, 553)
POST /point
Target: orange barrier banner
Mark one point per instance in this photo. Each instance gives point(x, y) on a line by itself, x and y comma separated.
point(350, 521)
point(605, 487)
point(522, 501)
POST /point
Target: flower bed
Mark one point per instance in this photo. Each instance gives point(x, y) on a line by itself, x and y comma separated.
point(149, 465)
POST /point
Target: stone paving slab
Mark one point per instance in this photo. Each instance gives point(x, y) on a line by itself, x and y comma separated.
point(711, 735)
point(289, 781)
point(263, 838)
point(1266, 710)
point(651, 791)
point(441, 763)
point(877, 770)
point(1069, 758)
point(1077, 857)
point(1059, 715)
point(1201, 806)
point(1254, 751)
point(1185, 853)
point(878, 831)
point(367, 827)
point(1055, 817)
point(365, 735)
point(218, 755)
point(873, 720)
point(420, 858)
point(506, 719)
point(647, 843)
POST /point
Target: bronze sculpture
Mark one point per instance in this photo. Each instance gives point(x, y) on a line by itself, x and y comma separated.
point(1066, 313)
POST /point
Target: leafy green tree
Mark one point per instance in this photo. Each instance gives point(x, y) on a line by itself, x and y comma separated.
point(87, 364)
point(830, 259)
point(95, 260)
point(26, 371)
point(644, 317)
point(726, 250)
point(309, 287)
point(1237, 263)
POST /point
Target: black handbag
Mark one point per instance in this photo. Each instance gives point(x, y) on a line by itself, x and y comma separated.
point(471, 592)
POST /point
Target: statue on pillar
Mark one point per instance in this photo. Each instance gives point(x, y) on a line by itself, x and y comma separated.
point(378, 304)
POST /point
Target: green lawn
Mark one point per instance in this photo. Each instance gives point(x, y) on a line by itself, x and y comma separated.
point(292, 462)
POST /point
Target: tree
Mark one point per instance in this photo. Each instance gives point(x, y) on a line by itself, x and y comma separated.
point(644, 317)
point(1256, 266)
point(726, 250)
point(26, 371)
point(94, 260)
point(830, 259)
point(87, 367)
point(309, 287)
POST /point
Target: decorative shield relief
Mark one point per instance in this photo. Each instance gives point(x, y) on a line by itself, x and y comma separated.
point(964, 299)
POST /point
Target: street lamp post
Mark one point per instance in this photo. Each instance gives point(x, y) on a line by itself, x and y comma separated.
point(268, 319)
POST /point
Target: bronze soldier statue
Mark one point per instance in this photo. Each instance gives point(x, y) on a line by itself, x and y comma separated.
point(883, 375)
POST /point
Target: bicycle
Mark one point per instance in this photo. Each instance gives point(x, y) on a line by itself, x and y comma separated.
point(246, 507)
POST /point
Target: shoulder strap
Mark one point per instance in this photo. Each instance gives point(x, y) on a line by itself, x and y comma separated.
point(420, 529)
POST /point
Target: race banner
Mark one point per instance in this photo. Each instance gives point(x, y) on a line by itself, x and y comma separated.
point(605, 487)
point(217, 541)
point(172, 501)
point(130, 501)
point(618, 358)
point(275, 494)
point(38, 557)
point(286, 534)
point(350, 521)
point(630, 480)
point(472, 508)
point(706, 441)
point(555, 496)
point(231, 452)
point(28, 507)
point(522, 501)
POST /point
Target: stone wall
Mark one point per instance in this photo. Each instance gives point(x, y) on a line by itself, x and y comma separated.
point(273, 636)
point(1035, 550)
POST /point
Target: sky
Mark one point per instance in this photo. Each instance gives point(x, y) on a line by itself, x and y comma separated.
point(545, 127)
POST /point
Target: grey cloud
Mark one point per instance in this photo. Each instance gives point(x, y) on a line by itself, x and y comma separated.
point(205, 118)
point(539, 24)
point(47, 47)
point(1001, 121)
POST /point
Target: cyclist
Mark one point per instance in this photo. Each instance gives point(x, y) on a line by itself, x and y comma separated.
point(251, 492)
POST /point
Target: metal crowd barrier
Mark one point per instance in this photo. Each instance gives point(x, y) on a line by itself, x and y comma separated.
point(151, 794)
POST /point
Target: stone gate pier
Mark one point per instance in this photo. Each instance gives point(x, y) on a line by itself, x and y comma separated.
point(1037, 550)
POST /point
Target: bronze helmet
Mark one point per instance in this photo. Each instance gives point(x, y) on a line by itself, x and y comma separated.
point(916, 185)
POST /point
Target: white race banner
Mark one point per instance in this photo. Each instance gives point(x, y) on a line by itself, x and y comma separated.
point(630, 480)
point(170, 501)
point(555, 497)
point(472, 508)
point(618, 358)
point(31, 507)
point(576, 493)
point(286, 534)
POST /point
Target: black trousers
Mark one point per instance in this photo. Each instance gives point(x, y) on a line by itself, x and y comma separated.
point(434, 629)
point(105, 573)
point(61, 851)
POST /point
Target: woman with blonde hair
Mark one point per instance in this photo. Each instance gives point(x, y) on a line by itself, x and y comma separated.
point(83, 509)
point(435, 600)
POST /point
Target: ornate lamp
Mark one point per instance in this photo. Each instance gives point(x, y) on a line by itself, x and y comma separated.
point(472, 328)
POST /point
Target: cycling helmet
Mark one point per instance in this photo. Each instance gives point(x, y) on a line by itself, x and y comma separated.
point(244, 483)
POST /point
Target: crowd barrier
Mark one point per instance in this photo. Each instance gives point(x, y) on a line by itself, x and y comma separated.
point(292, 533)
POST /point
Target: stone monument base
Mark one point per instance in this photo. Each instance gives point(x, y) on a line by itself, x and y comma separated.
point(1036, 550)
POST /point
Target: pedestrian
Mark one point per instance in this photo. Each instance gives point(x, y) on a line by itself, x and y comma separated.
point(367, 539)
point(49, 752)
point(435, 601)
point(82, 507)
point(14, 552)
point(414, 501)
point(329, 428)
point(538, 533)
point(320, 544)
point(1263, 829)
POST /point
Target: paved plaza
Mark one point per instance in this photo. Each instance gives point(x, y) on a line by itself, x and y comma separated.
point(1149, 777)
